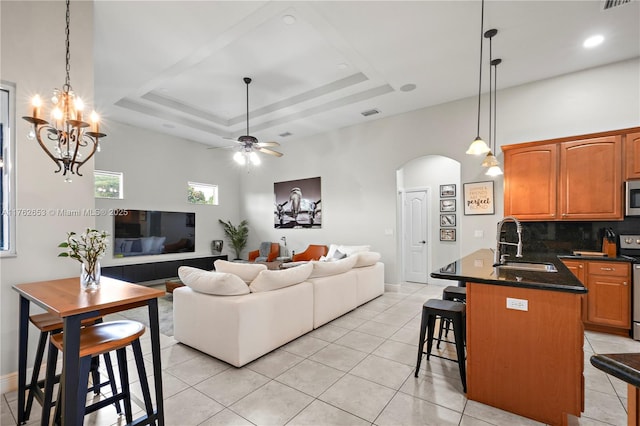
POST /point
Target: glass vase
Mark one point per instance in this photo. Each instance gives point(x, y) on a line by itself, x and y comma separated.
point(90, 276)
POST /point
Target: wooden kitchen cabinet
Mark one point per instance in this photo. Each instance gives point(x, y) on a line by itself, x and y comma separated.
point(632, 155)
point(609, 297)
point(591, 179)
point(530, 184)
point(607, 305)
point(529, 362)
point(578, 268)
point(568, 180)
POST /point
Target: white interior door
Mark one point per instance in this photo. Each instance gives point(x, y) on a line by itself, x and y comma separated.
point(415, 246)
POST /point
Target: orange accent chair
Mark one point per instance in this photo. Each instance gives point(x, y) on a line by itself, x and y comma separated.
point(268, 252)
point(313, 252)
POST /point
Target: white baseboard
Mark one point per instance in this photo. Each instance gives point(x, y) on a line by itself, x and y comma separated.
point(9, 383)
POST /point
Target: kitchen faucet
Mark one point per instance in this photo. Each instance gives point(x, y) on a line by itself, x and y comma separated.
point(498, 257)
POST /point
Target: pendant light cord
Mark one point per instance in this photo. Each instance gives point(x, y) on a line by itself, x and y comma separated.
point(480, 70)
point(495, 102)
point(490, 93)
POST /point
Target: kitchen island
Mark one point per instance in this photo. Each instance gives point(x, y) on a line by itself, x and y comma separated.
point(524, 336)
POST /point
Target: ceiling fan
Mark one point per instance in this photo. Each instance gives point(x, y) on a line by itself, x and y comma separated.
point(249, 145)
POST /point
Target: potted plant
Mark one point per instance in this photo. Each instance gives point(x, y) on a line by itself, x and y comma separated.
point(237, 236)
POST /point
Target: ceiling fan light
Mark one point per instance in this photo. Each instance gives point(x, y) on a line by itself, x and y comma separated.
point(239, 158)
point(494, 171)
point(490, 160)
point(254, 159)
point(478, 147)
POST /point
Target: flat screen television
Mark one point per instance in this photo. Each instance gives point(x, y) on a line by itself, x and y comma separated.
point(151, 232)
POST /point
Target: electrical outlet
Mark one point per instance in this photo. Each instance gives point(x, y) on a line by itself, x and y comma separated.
point(479, 233)
point(517, 304)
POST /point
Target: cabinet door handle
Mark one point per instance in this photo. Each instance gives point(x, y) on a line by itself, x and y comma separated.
point(607, 269)
point(580, 266)
point(624, 283)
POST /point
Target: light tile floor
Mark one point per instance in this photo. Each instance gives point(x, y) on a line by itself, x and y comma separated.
point(356, 370)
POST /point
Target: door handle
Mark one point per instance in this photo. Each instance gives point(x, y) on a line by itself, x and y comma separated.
point(422, 242)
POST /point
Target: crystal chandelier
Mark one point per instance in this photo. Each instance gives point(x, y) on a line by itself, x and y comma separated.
point(75, 141)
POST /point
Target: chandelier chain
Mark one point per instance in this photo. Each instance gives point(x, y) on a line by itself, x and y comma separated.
point(67, 81)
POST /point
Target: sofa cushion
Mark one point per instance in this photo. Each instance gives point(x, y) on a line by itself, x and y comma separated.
point(246, 271)
point(366, 258)
point(272, 280)
point(325, 269)
point(211, 282)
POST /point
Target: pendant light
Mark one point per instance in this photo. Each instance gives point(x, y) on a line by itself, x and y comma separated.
point(479, 146)
point(490, 160)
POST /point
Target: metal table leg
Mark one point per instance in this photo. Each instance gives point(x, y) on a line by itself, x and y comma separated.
point(157, 367)
point(23, 340)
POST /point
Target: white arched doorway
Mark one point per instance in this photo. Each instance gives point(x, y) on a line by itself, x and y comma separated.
point(428, 235)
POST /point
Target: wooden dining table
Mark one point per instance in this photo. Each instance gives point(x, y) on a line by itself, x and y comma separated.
point(66, 299)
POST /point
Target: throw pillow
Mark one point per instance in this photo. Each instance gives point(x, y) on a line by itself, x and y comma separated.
point(325, 269)
point(366, 258)
point(210, 282)
point(348, 250)
point(246, 271)
point(147, 244)
point(272, 280)
point(158, 244)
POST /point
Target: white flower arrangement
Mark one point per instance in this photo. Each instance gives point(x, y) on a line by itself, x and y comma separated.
point(86, 248)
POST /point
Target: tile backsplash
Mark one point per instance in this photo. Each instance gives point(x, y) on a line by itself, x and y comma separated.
point(565, 237)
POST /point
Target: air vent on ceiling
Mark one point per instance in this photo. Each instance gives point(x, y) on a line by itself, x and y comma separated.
point(609, 4)
point(370, 112)
point(285, 134)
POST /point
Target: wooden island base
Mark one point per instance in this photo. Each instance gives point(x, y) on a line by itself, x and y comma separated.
point(526, 362)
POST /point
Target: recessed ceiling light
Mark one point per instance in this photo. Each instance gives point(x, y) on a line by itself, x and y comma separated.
point(408, 87)
point(289, 19)
point(343, 66)
point(593, 41)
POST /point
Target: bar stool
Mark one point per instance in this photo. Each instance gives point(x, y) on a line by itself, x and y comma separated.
point(456, 313)
point(50, 324)
point(97, 340)
point(457, 294)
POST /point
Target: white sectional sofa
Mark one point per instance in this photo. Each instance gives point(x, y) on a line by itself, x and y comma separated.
point(243, 311)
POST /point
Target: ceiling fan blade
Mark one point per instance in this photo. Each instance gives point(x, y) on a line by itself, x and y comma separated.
point(222, 147)
point(270, 152)
point(272, 143)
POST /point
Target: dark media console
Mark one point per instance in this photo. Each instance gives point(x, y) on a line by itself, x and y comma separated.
point(157, 270)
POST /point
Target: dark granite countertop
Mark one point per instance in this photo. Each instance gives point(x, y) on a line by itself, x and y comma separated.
point(621, 258)
point(478, 267)
point(625, 367)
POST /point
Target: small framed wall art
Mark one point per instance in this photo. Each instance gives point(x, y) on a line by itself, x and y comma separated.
point(448, 191)
point(447, 220)
point(447, 234)
point(448, 205)
point(478, 198)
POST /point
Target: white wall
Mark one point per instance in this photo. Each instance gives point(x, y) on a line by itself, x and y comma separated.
point(33, 52)
point(156, 171)
point(358, 164)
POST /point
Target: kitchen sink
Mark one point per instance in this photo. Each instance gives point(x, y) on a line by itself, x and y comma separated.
point(528, 266)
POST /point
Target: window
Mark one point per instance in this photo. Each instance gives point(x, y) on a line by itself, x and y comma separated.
point(7, 175)
point(202, 193)
point(108, 184)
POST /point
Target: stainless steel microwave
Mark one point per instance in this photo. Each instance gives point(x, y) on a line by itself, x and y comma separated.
point(632, 198)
